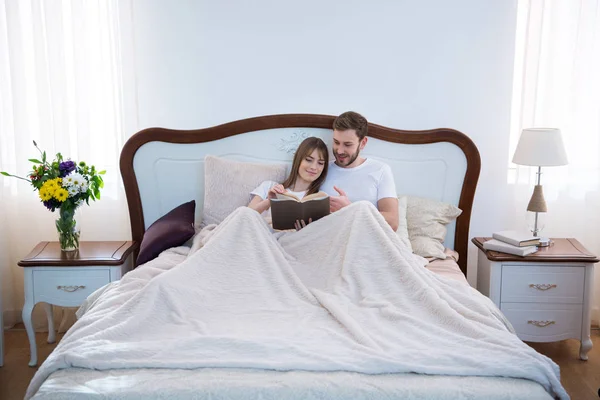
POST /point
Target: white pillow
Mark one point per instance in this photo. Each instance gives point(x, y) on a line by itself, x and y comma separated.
point(427, 220)
point(402, 230)
point(227, 185)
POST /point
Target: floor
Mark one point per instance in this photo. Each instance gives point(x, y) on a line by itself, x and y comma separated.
point(581, 379)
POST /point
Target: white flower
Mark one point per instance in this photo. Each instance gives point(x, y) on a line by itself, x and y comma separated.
point(73, 190)
point(83, 187)
point(78, 203)
point(67, 181)
point(77, 179)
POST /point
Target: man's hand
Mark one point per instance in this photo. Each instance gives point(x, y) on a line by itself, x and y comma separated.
point(338, 202)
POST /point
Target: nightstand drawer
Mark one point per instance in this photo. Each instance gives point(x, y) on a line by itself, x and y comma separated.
point(535, 284)
point(67, 287)
point(544, 322)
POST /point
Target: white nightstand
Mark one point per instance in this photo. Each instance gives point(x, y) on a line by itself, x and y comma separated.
point(67, 278)
point(1, 328)
point(547, 295)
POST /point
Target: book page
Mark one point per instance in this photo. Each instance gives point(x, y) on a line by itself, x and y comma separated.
point(315, 196)
point(287, 196)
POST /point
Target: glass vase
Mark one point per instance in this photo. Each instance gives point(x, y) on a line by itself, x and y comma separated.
point(68, 230)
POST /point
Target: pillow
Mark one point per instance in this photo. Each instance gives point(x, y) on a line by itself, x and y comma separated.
point(170, 230)
point(427, 220)
point(227, 185)
point(402, 230)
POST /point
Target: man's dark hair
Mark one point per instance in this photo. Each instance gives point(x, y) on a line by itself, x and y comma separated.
point(352, 120)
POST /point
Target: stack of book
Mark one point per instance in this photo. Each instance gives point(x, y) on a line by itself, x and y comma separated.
point(513, 242)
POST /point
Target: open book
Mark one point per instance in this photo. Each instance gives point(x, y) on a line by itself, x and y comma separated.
point(287, 208)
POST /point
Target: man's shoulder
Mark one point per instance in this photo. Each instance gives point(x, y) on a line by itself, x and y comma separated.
point(377, 164)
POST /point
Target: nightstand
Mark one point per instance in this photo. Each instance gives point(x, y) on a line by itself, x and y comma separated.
point(547, 295)
point(67, 278)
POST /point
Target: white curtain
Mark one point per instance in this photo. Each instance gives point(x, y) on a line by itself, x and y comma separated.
point(64, 74)
point(557, 85)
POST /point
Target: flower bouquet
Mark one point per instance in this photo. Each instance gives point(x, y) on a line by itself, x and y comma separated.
point(64, 185)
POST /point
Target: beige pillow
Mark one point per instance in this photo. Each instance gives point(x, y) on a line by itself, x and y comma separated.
point(402, 230)
point(227, 185)
point(427, 220)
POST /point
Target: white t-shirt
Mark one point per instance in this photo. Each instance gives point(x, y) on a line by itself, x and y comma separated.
point(263, 191)
point(372, 181)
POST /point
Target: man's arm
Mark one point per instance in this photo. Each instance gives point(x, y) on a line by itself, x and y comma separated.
point(388, 207)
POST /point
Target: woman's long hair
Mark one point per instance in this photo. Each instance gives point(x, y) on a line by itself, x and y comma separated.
point(305, 149)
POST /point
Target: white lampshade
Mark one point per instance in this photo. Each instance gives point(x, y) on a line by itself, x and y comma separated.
point(540, 147)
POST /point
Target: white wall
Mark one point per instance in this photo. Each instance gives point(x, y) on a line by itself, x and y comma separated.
point(403, 64)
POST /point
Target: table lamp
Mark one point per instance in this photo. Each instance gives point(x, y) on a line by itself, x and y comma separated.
point(539, 147)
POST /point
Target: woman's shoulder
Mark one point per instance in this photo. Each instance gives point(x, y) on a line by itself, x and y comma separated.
point(265, 186)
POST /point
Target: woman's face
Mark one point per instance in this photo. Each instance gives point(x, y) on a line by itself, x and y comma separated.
point(311, 166)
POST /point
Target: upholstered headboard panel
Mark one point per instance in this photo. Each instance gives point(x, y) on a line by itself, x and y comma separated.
point(164, 168)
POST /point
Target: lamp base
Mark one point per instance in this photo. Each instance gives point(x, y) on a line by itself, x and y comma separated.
point(544, 242)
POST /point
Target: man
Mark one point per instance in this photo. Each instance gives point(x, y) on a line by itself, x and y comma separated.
point(353, 178)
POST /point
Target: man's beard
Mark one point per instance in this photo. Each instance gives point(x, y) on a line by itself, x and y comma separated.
point(350, 159)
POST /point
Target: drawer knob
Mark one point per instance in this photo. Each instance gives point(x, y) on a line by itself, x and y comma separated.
point(541, 324)
point(542, 286)
point(70, 289)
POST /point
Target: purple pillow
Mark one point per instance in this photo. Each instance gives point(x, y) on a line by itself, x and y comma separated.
point(172, 229)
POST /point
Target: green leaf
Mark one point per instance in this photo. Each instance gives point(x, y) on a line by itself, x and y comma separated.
point(44, 156)
point(15, 176)
point(34, 160)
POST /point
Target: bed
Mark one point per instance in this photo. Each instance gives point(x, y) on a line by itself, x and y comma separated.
point(164, 168)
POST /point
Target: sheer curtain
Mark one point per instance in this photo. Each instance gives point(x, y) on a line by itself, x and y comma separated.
point(64, 75)
point(557, 85)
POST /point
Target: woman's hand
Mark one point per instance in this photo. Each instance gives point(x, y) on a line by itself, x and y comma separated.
point(274, 190)
point(299, 224)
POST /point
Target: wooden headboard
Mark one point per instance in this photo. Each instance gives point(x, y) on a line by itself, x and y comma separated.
point(163, 168)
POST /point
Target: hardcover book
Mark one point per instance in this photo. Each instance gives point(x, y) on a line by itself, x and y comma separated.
point(516, 238)
point(497, 245)
point(286, 209)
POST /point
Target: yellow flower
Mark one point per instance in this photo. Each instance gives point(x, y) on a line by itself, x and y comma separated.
point(49, 187)
point(44, 194)
point(61, 194)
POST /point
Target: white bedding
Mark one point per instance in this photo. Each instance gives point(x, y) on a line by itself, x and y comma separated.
point(357, 301)
point(231, 383)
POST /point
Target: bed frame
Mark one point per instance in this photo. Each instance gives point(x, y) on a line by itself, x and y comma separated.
point(163, 168)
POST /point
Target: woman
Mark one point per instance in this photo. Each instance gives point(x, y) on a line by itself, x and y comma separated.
point(308, 172)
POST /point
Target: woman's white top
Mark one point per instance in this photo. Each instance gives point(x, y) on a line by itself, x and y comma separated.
point(263, 190)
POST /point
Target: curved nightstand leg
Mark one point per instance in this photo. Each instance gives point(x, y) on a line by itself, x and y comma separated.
point(586, 346)
point(26, 314)
point(50, 315)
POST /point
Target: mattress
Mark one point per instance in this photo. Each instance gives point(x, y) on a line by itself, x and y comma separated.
point(217, 384)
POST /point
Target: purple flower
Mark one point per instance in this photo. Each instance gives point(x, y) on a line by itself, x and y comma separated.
point(49, 205)
point(66, 167)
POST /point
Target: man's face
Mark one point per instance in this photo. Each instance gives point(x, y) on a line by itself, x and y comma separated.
point(346, 147)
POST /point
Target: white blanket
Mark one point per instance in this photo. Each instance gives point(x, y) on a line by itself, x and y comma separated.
point(343, 294)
